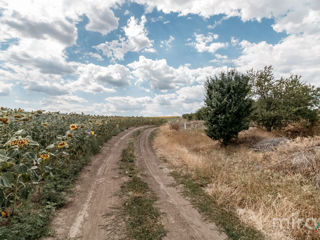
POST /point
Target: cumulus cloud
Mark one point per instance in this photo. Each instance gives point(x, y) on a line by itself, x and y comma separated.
point(204, 43)
point(126, 104)
point(66, 103)
point(53, 89)
point(246, 10)
point(158, 73)
point(162, 76)
point(114, 75)
point(135, 40)
point(93, 78)
point(60, 30)
point(42, 31)
point(187, 99)
point(29, 53)
point(295, 54)
point(101, 20)
point(56, 19)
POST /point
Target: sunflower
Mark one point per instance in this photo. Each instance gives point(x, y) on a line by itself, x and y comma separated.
point(45, 124)
point(73, 127)
point(4, 213)
point(2, 108)
point(92, 132)
point(62, 144)
point(69, 135)
point(44, 156)
point(19, 142)
point(4, 120)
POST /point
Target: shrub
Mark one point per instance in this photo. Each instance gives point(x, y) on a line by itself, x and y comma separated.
point(283, 101)
point(174, 126)
point(228, 105)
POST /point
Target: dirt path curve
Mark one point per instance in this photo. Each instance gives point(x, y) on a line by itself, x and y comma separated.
point(180, 219)
point(95, 193)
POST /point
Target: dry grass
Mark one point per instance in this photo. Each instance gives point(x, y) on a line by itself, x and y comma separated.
point(259, 186)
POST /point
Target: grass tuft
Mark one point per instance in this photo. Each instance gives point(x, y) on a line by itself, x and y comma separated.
point(142, 219)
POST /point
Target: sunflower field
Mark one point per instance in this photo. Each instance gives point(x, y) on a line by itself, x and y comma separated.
point(40, 156)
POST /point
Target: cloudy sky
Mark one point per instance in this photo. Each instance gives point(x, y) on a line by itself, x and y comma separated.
point(146, 57)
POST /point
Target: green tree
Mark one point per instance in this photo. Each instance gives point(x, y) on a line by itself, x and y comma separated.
point(263, 86)
point(228, 105)
point(201, 113)
point(283, 101)
point(188, 116)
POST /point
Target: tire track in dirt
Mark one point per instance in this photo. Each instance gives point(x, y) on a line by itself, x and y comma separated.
point(95, 193)
point(180, 219)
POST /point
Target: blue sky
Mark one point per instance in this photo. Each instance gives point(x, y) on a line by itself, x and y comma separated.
point(143, 57)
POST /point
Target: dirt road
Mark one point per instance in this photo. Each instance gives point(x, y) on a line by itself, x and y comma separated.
point(96, 193)
point(180, 219)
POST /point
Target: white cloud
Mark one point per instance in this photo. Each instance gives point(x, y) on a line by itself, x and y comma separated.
point(158, 73)
point(205, 43)
point(294, 54)
point(53, 89)
point(5, 88)
point(135, 40)
point(95, 78)
point(234, 41)
point(300, 20)
point(217, 23)
point(44, 29)
point(167, 43)
point(187, 99)
point(101, 20)
point(247, 9)
point(161, 76)
point(25, 26)
point(56, 19)
point(219, 56)
point(125, 105)
point(66, 103)
point(95, 56)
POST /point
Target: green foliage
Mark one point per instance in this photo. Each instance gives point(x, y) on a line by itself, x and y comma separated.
point(40, 157)
point(282, 101)
point(228, 105)
point(188, 116)
point(200, 114)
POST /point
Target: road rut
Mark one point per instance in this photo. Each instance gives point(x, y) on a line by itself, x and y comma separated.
point(180, 219)
point(95, 194)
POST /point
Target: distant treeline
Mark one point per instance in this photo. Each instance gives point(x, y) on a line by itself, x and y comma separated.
point(198, 115)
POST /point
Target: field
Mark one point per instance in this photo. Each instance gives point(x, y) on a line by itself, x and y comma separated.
point(41, 155)
point(275, 191)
